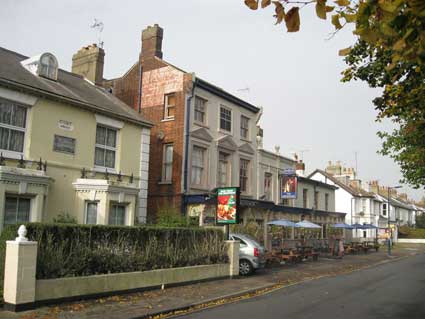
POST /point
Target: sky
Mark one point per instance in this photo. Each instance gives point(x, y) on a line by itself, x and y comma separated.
point(295, 77)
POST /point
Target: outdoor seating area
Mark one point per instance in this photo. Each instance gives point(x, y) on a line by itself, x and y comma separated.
point(304, 244)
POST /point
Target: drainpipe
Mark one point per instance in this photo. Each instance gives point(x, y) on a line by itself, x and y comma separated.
point(186, 143)
point(139, 98)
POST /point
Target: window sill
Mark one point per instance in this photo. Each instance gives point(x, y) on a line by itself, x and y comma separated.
point(200, 187)
point(168, 119)
point(225, 132)
point(165, 182)
point(101, 169)
point(201, 125)
point(11, 154)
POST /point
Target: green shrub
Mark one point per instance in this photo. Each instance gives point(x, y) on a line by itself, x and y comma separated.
point(65, 218)
point(66, 250)
point(168, 216)
point(408, 232)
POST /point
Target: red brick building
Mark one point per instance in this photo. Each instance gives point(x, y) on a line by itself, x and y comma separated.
point(192, 117)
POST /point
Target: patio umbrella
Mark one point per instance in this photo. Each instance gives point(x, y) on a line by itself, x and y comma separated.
point(369, 226)
point(282, 222)
point(307, 224)
point(342, 225)
point(358, 226)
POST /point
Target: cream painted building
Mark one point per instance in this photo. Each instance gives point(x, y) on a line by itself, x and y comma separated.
point(67, 147)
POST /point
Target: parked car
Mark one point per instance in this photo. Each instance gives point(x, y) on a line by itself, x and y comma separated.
point(251, 254)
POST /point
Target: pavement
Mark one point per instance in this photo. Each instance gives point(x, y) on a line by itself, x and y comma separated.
point(184, 299)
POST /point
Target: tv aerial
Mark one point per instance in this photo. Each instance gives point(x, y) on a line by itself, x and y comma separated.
point(98, 25)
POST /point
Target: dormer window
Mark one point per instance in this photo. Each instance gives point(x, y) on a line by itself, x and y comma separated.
point(48, 67)
point(45, 65)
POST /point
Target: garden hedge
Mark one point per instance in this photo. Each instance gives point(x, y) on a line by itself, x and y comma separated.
point(66, 250)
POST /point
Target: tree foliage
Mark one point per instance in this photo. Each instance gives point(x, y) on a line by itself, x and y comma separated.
point(389, 52)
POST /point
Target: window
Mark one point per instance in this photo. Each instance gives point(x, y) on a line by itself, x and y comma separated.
point(117, 214)
point(244, 127)
point(167, 163)
point(91, 213)
point(48, 66)
point(198, 165)
point(225, 119)
point(106, 147)
point(326, 202)
point(223, 169)
point(285, 202)
point(316, 200)
point(17, 210)
point(364, 234)
point(64, 144)
point(268, 186)
point(384, 209)
point(243, 174)
point(200, 109)
point(305, 199)
point(170, 106)
point(12, 126)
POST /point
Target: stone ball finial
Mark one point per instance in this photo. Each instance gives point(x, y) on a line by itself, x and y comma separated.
point(22, 232)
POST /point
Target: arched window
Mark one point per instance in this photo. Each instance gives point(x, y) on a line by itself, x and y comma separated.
point(48, 67)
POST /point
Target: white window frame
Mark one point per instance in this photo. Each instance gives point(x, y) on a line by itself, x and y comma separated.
point(166, 106)
point(204, 168)
point(228, 157)
point(125, 213)
point(231, 120)
point(269, 194)
point(9, 153)
point(204, 112)
point(106, 147)
point(86, 203)
point(18, 197)
point(245, 128)
point(248, 175)
point(165, 164)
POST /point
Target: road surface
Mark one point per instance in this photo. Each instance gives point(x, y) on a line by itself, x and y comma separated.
point(392, 290)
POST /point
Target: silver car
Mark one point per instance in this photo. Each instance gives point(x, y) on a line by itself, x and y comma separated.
point(251, 254)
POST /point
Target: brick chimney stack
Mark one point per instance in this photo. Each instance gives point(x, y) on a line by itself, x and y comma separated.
point(88, 62)
point(152, 42)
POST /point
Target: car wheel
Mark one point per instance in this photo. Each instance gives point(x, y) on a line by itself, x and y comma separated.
point(245, 267)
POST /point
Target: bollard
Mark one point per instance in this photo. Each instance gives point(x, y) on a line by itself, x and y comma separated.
point(233, 254)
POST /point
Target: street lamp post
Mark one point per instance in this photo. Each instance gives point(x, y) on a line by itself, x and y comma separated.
point(389, 241)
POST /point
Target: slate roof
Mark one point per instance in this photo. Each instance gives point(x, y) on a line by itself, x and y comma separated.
point(69, 88)
point(352, 190)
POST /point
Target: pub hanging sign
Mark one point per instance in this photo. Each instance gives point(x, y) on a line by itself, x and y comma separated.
point(227, 206)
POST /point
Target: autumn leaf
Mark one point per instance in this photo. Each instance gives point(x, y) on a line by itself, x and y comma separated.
point(343, 3)
point(280, 12)
point(321, 9)
point(252, 4)
point(265, 3)
point(399, 45)
point(292, 20)
point(349, 17)
point(335, 21)
point(390, 5)
point(344, 52)
point(329, 8)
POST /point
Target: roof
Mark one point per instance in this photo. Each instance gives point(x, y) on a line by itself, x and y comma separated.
point(207, 86)
point(69, 88)
point(279, 155)
point(358, 192)
point(313, 181)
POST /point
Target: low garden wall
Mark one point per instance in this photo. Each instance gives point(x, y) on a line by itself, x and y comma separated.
point(64, 288)
point(70, 261)
point(411, 241)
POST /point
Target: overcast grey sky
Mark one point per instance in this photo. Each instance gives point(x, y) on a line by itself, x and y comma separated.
point(295, 77)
